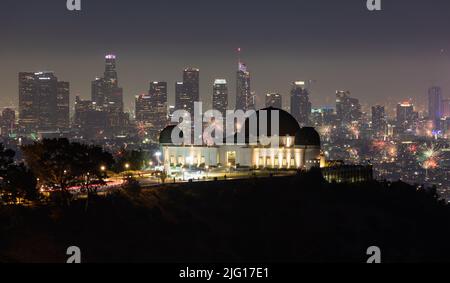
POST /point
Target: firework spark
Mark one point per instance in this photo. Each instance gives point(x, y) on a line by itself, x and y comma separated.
point(429, 157)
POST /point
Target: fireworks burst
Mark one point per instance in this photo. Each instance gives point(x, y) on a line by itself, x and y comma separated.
point(429, 158)
point(142, 129)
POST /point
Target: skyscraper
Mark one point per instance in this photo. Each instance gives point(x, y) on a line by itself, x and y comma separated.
point(406, 117)
point(348, 109)
point(158, 96)
point(245, 100)
point(99, 92)
point(435, 106)
point(151, 109)
point(143, 108)
point(191, 83)
point(220, 96)
point(300, 104)
point(47, 89)
point(7, 122)
point(90, 120)
point(38, 102)
point(445, 108)
point(181, 99)
point(274, 100)
point(108, 97)
point(63, 106)
point(379, 121)
point(28, 103)
point(110, 74)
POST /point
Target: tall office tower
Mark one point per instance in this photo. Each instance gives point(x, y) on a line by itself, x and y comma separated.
point(435, 106)
point(406, 117)
point(89, 121)
point(108, 97)
point(38, 101)
point(81, 107)
point(300, 104)
point(8, 122)
point(445, 108)
point(47, 89)
point(181, 99)
point(348, 109)
point(151, 109)
point(379, 121)
point(28, 103)
point(159, 97)
point(220, 96)
point(274, 100)
point(143, 109)
point(99, 92)
point(63, 106)
point(191, 84)
point(245, 99)
point(110, 74)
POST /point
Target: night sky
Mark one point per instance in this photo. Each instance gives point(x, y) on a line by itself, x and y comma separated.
point(379, 56)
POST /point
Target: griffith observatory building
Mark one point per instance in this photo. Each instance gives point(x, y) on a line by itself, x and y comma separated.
point(298, 149)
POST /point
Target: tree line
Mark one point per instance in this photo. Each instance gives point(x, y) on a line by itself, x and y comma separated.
point(58, 165)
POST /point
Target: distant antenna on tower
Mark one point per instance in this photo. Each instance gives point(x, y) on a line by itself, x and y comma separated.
point(239, 55)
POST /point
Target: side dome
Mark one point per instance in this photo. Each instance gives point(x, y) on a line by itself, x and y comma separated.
point(307, 136)
point(288, 125)
point(165, 137)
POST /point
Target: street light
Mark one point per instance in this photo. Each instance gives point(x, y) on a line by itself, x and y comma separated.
point(103, 168)
point(127, 166)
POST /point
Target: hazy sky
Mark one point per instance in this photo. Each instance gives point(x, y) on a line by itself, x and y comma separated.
point(379, 56)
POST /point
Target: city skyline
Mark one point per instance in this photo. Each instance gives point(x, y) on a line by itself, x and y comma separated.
point(330, 50)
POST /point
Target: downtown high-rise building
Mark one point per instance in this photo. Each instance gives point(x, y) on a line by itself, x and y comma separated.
point(379, 121)
point(300, 105)
point(187, 92)
point(152, 109)
point(406, 117)
point(89, 121)
point(220, 96)
point(7, 122)
point(143, 109)
point(435, 106)
point(348, 109)
point(181, 99)
point(63, 106)
point(274, 100)
point(110, 74)
point(38, 102)
point(245, 99)
point(108, 97)
point(446, 108)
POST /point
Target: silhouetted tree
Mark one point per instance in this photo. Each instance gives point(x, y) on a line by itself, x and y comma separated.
point(6, 159)
point(17, 181)
point(20, 183)
point(134, 158)
point(61, 164)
